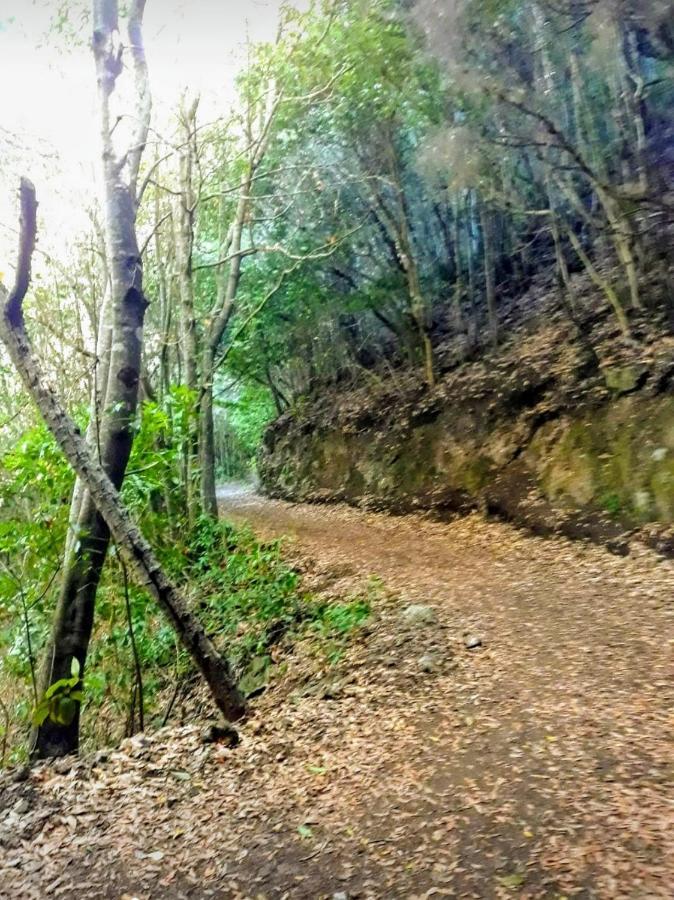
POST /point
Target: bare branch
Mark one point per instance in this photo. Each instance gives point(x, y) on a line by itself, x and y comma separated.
point(321, 91)
point(156, 228)
point(320, 252)
point(144, 95)
point(27, 236)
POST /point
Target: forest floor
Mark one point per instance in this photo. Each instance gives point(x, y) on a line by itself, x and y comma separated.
point(538, 764)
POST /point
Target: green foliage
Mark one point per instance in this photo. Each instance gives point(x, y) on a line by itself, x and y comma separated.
point(246, 417)
point(35, 485)
point(60, 699)
point(248, 597)
point(247, 591)
point(612, 503)
point(153, 487)
point(342, 618)
point(252, 597)
point(334, 622)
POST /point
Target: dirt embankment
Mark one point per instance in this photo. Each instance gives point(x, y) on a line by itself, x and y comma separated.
point(566, 428)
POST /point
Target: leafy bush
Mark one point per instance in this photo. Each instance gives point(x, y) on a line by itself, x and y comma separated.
point(35, 487)
point(251, 598)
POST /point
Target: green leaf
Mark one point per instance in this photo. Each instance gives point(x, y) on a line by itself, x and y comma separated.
point(304, 831)
point(56, 687)
point(65, 711)
point(75, 667)
point(512, 882)
point(40, 713)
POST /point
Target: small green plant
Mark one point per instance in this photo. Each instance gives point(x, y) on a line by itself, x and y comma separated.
point(612, 504)
point(339, 619)
point(59, 703)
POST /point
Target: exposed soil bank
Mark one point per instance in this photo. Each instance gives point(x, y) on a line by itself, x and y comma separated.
point(563, 430)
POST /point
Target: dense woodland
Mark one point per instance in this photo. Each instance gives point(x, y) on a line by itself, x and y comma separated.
point(391, 178)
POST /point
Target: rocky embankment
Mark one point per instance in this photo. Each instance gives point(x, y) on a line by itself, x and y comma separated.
point(565, 428)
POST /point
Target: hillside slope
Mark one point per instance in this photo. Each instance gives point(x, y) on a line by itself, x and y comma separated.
point(566, 427)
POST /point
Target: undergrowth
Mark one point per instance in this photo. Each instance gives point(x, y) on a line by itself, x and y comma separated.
point(249, 598)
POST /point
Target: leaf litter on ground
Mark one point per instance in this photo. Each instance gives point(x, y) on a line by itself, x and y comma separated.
point(538, 765)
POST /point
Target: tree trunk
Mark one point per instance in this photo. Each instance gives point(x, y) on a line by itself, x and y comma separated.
point(458, 267)
point(184, 240)
point(209, 500)
point(114, 405)
point(490, 287)
point(474, 318)
point(227, 289)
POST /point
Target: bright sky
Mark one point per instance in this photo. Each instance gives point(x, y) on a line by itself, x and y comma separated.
point(48, 96)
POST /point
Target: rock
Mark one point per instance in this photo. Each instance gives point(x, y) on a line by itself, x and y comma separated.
point(21, 807)
point(137, 746)
point(332, 691)
point(624, 379)
point(428, 663)
point(418, 614)
point(618, 547)
point(220, 734)
point(64, 765)
point(21, 774)
point(340, 895)
point(472, 642)
point(566, 470)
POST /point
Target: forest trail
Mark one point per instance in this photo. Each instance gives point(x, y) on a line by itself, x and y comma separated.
point(554, 740)
point(537, 765)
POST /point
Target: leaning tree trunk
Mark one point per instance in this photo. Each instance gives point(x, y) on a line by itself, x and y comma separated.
point(102, 490)
point(118, 376)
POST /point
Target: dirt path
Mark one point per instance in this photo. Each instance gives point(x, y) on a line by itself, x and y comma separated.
point(539, 764)
point(558, 735)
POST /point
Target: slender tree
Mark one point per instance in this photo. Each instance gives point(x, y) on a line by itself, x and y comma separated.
point(118, 366)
